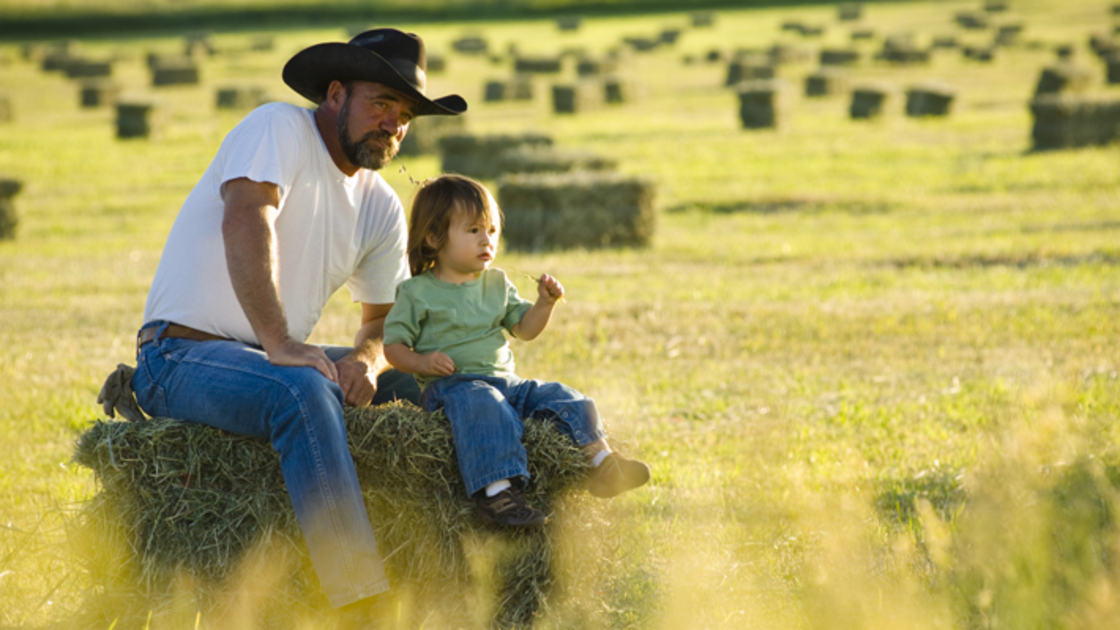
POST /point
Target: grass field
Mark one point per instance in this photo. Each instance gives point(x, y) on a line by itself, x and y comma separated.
point(872, 364)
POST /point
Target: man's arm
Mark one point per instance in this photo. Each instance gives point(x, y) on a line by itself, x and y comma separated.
point(358, 371)
point(249, 231)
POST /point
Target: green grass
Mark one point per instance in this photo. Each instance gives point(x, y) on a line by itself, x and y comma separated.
point(873, 364)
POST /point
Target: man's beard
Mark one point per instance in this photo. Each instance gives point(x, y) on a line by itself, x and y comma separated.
point(363, 153)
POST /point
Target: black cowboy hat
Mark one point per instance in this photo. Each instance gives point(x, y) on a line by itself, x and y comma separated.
point(382, 55)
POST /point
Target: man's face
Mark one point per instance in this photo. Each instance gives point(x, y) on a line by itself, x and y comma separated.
point(371, 124)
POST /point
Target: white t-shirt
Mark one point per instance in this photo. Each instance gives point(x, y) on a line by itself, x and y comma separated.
point(331, 230)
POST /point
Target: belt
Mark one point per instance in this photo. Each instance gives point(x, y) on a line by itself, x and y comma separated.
point(177, 331)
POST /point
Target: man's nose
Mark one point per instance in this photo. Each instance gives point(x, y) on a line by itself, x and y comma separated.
point(392, 121)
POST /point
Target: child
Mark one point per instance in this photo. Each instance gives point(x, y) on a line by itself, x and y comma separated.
point(447, 328)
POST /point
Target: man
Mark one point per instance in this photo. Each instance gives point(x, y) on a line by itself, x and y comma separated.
point(291, 209)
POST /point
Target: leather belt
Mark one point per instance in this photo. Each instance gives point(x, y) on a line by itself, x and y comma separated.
point(177, 331)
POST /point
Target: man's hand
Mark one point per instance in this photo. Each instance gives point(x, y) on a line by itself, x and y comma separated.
point(358, 381)
point(295, 354)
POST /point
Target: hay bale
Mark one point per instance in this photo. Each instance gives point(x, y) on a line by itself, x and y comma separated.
point(761, 103)
point(494, 91)
point(839, 56)
point(702, 19)
point(87, 69)
point(849, 11)
point(436, 64)
point(263, 43)
point(1102, 44)
point(669, 36)
point(1065, 52)
point(478, 156)
point(748, 68)
point(781, 54)
point(615, 91)
point(995, 6)
point(930, 98)
point(135, 119)
point(862, 33)
point(1112, 69)
point(642, 44)
point(239, 97)
point(185, 500)
point(590, 67)
point(984, 54)
point(424, 133)
point(973, 20)
point(175, 72)
point(1063, 78)
point(538, 65)
point(549, 159)
point(98, 92)
point(826, 82)
point(944, 42)
point(9, 188)
point(714, 55)
point(572, 98)
point(902, 50)
point(569, 23)
point(198, 44)
point(471, 45)
point(1065, 121)
point(1008, 33)
point(869, 101)
point(576, 210)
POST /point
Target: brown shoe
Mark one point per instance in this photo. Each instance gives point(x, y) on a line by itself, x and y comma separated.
point(615, 475)
point(510, 509)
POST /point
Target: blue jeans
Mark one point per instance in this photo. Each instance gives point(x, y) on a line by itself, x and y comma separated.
point(486, 415)
point(232, 386)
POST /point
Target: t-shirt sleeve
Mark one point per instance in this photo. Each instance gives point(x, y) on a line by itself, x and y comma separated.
point(385, 264)
point(402, 325)
point(265, 147)
point(516, 306)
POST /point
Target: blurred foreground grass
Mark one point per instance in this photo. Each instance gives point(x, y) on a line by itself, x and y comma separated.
point(873, 365)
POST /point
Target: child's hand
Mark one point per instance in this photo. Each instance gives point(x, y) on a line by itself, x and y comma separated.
point(550, 289)
point(436, 364)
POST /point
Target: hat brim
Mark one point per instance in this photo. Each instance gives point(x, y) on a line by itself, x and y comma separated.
point(311, 71)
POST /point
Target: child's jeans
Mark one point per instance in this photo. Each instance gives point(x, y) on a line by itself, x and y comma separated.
point(486, 415)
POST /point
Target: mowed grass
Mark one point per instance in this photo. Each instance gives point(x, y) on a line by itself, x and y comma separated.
point(872, 364)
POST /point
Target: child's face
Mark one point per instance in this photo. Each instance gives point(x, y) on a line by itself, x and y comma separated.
point(472, 244)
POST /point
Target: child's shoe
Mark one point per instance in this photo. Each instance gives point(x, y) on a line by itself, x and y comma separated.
point(509, 508)
point(615, 475)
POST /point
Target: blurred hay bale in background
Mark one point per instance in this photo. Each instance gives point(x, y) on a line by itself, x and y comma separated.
point(973, 20)
point(550, 159)
point(1064, 77)
point(826, 82)
point(167, 72)
point(902, 50)
point(701, 19)
point(471, 45)
point(1009, 33)
point(479, 156)
point(494, 91)
point(580, 96)
point(136, 119)
point(944, 41)
point(615, 91)
point(1102, 44)
point(642, 44)
point(1112, 69)
point(869, 101)
point(984, 54)
point(839, 56)
point(591, 67)
point(239, 97)
point(761, 103)
point(995, 6)
point(425, 132)
point(862, 33)
point(9, 188)
point(185, 500)
point(1064, 121)
point(669, 36)
point(437, 63)
point(81, 68)
point(97, 92)
point(849, 11)
point(569, 22)
point(576, 210)
point(748, 67)
point(781, 54)
point(538, 65)
point(199, 44)
point(929, 98)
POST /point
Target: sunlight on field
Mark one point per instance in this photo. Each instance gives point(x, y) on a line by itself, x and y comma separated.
point(872, 363)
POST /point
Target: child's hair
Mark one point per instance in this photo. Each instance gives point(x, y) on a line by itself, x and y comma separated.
point(432, 209)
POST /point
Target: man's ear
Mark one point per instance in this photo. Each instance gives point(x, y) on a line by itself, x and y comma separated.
point(336, 94)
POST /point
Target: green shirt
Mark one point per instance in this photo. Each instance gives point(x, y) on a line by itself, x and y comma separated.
point(467, 322)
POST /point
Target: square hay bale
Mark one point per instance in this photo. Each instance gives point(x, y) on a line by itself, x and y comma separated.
point(437, 63)
point(582, 209)
point(1009, 33)
point(761, 103)
point(494, 91)
point(590, 67)
point(826, 82)
point(424, 133)
point(135, 119)
point(931, 98)
point(550, 159)
point(781, 54)
point(1063, 78)
point(471, 45)
point(1066, 121)
point(9, 188)
point(520, 87)
point(1112, 69)
point(748, 68)
point(239, 97)
point(839, 56)
point(714, 55)
point(669, 36)
point(902, 50)
point(944, 42)
point(175, 72)
point(569, 22)
point(862, 34)
point(983, 54)
point(642, 44)
point(199, 44)
point(702, 19)
point(615, 91)
point(97, 92)
point(538, 65)
point(88, 68)
point(478, 156)
point(1065, 52)
point(1102, 44)
point(572, 98)
point(869, 101)
point(995, 6)
point(57, 61)
point(187, 507)
point(972, 20)
point(849, 11)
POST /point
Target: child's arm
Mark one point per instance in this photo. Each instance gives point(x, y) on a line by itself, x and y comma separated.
point(408, 360)
point(549, 292)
